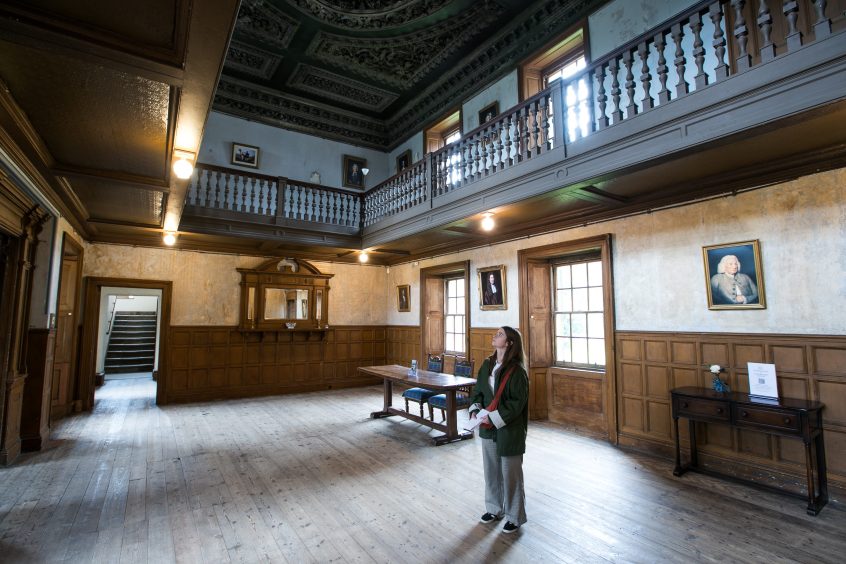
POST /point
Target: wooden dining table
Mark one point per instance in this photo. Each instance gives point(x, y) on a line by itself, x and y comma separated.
point(435, 381)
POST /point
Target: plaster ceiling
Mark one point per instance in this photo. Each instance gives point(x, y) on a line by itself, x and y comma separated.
point(370, 72)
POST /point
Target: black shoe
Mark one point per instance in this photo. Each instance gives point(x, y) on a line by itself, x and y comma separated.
point(489, 518)
point(510, 528)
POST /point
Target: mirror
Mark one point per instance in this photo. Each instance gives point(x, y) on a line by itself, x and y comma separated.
point(285, 303)
point(318, 303)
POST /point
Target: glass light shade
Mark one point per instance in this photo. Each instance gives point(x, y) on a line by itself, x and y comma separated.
point(183, 168)
point(169, 239)
point(488, 222)
point(363, 257)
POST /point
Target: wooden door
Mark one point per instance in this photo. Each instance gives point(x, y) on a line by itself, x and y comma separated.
point(64, 357)
point(539, 302)
point(433, 316)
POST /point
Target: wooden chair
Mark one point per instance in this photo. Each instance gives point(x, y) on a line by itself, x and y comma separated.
point(463, 368)
point(434, 363)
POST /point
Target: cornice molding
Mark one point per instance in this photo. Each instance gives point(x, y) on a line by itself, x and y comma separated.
point(251, 60)
point(290, 112)
point(336, 87)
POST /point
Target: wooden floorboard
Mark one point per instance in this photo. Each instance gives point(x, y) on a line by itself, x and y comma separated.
point(311, 478)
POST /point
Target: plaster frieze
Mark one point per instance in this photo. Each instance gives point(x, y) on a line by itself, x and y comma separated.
point(368, 14)
point(337, 87)
point(265, 22)
point(251, 60)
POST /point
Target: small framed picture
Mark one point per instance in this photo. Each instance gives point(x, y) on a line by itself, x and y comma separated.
point(404, 297)
point(353, 173)
point(245, 155)
point(492, 287)
point(734, 278)
point(403, 161)
point(487, 113)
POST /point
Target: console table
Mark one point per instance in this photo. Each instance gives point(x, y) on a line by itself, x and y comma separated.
point(785, 417)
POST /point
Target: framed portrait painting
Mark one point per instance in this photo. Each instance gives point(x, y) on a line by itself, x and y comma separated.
point(403, 161)
point(487, 113)
point(734, 278)
point(353, 173)
point(245, 155)
point(492, 293)
point(404, 298)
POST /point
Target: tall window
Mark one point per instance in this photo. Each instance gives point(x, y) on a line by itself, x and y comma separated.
point(575, 95)
point(455, 336)
point(579, 316)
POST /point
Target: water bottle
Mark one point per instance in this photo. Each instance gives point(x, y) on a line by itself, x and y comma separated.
point(413, 371)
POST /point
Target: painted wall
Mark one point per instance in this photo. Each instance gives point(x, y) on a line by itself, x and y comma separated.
point(659, 278)
point(414, 143)
point(286, 153)
point(206, 287)
point(621, 20)
point(505, 91)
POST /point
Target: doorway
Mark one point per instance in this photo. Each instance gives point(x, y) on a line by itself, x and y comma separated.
point(128, 333)
point(127, 324)
point(64, 396)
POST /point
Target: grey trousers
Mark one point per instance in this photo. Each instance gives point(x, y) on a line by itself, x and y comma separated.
point(504, 492)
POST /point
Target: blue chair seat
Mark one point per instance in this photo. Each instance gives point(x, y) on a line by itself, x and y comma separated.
point(440, 402)
point(420, 395)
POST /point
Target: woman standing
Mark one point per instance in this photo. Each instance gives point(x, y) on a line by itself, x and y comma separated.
point(501, 403)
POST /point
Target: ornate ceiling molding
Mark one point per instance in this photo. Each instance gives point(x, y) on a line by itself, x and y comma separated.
point(251, 60)
point(404, 60)
point(246, 100)
point(336, 87)
point(263, 21)
point(515, 42)
point(368, 15)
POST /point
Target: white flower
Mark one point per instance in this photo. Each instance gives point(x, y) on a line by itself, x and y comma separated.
point(716, 368)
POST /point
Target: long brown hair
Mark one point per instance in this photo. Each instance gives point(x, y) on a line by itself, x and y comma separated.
point(513, 352)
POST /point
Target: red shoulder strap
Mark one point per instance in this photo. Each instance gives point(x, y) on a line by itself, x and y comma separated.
point(495, 402)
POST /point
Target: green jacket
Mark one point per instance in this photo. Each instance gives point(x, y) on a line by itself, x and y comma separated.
point(513, 408)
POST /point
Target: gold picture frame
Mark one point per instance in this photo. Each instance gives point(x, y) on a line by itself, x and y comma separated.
point(404, 297)
point(403, 160)
point(492, 287)
point(734, 278)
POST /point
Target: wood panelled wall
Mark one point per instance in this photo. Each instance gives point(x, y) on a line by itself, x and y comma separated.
point(403, 344)
point(222, 362)
point(649, 365)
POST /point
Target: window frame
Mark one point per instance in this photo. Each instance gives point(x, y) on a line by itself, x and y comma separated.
point(553, 267)
point(462, 315)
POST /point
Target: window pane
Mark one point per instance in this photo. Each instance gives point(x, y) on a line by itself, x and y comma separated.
point(459, 305)
point(596, 351)
point(579, 325)
point(450, 342)
point(580, 299)
point(596, 328)
point(564, 300)
point(580, 354)
point(562, 325)
point(595, 273)
point(562, 276)
point(595, 302)
point(450, 324)
point(562, 350)
point(459, 288)
point(579, 275)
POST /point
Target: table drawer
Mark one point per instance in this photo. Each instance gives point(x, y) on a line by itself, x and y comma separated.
point(702, 408)
point(766, 419)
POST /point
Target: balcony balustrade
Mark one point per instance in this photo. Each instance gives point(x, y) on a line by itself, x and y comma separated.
point(703, 46)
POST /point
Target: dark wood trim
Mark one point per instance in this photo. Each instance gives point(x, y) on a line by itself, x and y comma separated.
point(441, 271)
point(88, 362)
point(555, 250)
point(114, 177)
